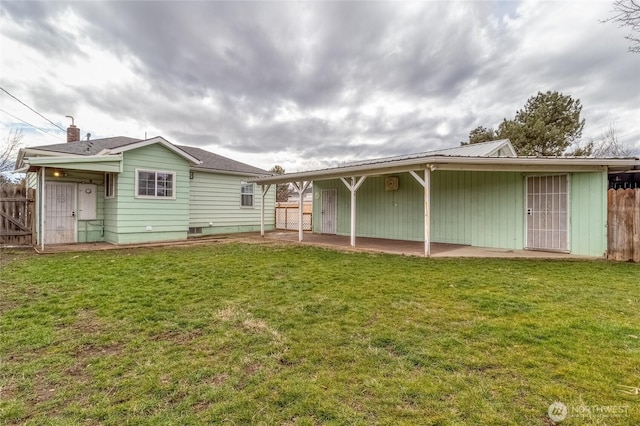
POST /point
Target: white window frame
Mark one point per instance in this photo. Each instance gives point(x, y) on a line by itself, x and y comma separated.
point(156, 196)
point(110, 180)
point(244, 185)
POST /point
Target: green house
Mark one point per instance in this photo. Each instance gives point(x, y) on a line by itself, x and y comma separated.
point(480, 195)
point(123, 190)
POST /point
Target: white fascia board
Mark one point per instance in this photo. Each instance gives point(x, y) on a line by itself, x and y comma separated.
point(530, 164)
point(224, 172)
point(158, 139)
point(25, 154)
point(38, 161)
point(549, 168)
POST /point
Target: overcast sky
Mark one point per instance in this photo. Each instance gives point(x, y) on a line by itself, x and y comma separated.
point(308, 85)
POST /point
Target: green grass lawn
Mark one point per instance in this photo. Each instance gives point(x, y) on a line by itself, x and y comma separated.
point(273, 334)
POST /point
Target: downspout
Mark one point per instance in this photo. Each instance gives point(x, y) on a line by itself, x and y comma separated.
point(264, 194)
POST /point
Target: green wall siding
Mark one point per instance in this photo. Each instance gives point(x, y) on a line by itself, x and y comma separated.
point(214, 205)
point(483, 209)
point(379, 214)
point(168, 218)
point(588, 204)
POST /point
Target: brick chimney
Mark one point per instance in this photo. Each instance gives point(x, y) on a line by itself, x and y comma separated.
point(73, 132)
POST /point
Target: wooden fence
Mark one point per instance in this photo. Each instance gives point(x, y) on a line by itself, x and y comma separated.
point(17, 210)
point(623, 224)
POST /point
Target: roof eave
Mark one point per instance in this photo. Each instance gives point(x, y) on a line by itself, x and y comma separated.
point(526, 164)
point(224, 172)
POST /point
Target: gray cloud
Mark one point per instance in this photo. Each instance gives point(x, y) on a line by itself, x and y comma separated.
point(407, 77)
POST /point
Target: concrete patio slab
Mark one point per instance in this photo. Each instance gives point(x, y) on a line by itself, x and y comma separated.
point(401, 247)
point(412, 248)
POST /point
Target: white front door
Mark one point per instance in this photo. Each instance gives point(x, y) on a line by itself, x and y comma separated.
point(60, 216)
point(329, 211)
point(547, 217)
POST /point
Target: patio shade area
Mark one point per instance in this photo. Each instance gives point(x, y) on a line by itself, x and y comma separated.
point(411, 248)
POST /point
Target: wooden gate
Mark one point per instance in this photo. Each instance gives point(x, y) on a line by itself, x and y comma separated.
point(623, 224)
point(17, 209)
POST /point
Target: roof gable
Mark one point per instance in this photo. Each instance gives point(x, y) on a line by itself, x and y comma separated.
point(499, 148)
point(106, 146)
point(200, 158)
point(146, 142)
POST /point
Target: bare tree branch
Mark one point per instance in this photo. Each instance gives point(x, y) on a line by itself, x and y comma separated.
point(609, 146)
point(627, 14)
point(9, 150)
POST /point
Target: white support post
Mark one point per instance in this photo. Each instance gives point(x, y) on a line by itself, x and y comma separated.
point(353, 187)
point(265, 189)
point(42, 207)
point(426, 184)
point(300, 188)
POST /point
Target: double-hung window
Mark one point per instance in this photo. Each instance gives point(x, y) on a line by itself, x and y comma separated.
point(246, 194)
point(155, 184)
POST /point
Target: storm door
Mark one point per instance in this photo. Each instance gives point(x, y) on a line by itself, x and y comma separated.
point(547, 217)
point(329, 211)
point(60, 217)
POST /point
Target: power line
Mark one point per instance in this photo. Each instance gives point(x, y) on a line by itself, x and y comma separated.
point(4, 90)
point(25, 122)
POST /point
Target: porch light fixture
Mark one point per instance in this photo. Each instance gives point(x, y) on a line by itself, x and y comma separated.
point(190, 175)
point(58, 173)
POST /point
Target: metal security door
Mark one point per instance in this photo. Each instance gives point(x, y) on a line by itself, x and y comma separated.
point(329, 211)
point(60, 217)
point(547, 218)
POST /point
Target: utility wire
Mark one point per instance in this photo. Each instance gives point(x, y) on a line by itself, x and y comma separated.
point(4, 90)
point(25, 122)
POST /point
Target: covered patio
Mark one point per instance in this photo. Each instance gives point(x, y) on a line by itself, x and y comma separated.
point(480, 196)
point(410, 248)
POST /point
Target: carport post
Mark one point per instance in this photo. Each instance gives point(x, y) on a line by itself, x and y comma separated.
point(353, 187)
point(427, 212)
point(265, 189)
point(426, 184)
point(300, 188)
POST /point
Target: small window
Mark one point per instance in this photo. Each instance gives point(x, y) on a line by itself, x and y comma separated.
point(109, 185)
point(155, 184)
point(246, 195)
point(194, 230)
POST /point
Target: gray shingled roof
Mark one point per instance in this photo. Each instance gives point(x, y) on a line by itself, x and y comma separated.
point(218, 162)
point(209, 160)
point(90, 147)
